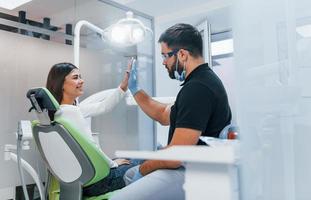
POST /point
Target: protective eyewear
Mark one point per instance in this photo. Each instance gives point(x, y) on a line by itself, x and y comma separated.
point(166, 56)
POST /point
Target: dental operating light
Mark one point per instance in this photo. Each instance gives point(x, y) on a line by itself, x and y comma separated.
point(11, 4)
point(126, 32)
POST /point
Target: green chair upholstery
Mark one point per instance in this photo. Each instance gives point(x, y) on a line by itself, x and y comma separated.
point(72, 159)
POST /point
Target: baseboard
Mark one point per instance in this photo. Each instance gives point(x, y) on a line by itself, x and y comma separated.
point(16, 193)
point(32, 192)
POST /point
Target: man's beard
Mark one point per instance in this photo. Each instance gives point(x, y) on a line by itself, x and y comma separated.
point(171, 71)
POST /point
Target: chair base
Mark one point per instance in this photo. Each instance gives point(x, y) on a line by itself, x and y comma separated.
point(72, 192)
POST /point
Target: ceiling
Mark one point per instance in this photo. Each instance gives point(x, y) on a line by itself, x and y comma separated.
point(158, 8)
point(62, 12)
point(37, 9)
point(218, 12)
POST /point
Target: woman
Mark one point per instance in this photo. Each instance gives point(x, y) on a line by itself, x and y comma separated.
point(65, 83)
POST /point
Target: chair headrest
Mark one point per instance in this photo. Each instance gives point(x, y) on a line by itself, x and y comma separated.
point(41, 99)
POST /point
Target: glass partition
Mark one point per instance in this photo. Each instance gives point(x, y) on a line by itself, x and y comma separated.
point(30, 45)
point(273, 67)
point(126, 127)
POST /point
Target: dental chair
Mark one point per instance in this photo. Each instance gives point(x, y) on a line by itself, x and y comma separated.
point(72, 159)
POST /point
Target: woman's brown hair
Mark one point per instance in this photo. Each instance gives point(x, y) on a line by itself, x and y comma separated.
point(56, 79)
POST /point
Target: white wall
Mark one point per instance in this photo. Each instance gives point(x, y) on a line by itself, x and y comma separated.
point(24, 64)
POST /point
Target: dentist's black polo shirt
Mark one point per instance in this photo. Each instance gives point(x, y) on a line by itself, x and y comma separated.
point(201, 104)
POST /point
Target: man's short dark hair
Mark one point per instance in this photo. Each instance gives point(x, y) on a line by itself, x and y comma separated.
point(183, 36)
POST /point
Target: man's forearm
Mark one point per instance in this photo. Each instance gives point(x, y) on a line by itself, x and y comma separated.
point(154, 109)
point(152, 165)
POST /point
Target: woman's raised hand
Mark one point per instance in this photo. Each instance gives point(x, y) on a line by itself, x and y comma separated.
point(125, 81)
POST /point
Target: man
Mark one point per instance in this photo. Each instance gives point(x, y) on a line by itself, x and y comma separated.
point(201, 109)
